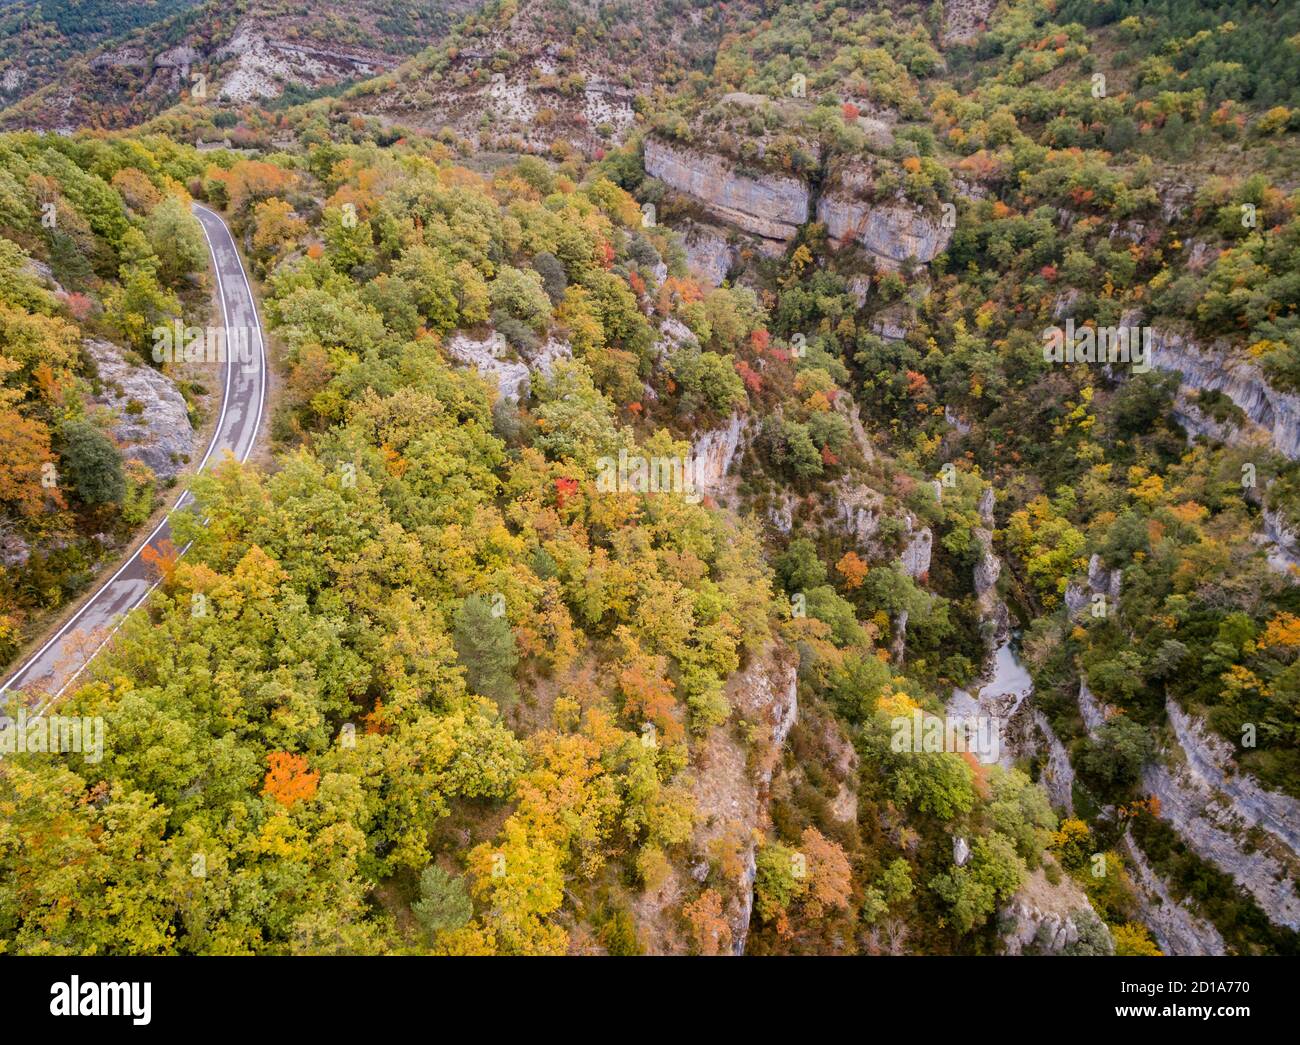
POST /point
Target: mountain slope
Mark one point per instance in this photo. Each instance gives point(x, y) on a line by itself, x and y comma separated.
point(127, 68)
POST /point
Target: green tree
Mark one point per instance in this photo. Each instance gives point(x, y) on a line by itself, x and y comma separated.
point(1118, 753)
point(177, 241)
point(776, 884)
point(486, 647)
point(992, 875)
point(707, 381)
point(93, 464)
point(444, 901)
point(435, 289)
point(519, 294)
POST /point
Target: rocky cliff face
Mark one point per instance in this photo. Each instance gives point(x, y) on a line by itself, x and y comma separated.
point(1079, 598)
point(1211, 759)
point(151, 422)
point(1212, 830)
point(765, 696)
point(890, 232)
point(1176, 929)
point(1224, 817)
point(916, 556)
point(1052, 919)
point(1214, 369)
point(1057, 777)
point(1197, 423)
point(708, 254)
point(494, 358)
point(713, 453)
point(857, 511)
point(1284, 545)
point(988, 568)
point(1093, 711)
point(264, 64)
point(730, 787)
point(772, 206)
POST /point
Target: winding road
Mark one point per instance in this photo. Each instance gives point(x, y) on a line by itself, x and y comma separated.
point(57, 664)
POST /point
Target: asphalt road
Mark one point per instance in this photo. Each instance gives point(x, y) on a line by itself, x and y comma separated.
point(61, 660)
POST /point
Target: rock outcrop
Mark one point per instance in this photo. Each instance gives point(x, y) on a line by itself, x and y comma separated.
point(1092, 710)
point(1176, 929)
point(673, 334)
point(890, 232)
point(781, 513)
point(950, 416)
point(730, 785)
point(713, 453)
point(1057, 777)
point(1226, 818)
point(1214, 369)
point(1283, 543)
point(964, 20)
point(553, 351)
point(857, 511)
point(491, 357)
point(708, 254)
point(915, 558)
point(494, 358)
point(1211, 759)
point(1211, 829)
point(150, 420)
point(772, 206)
point(1107, 583)
point(988, 568)
point(1051, 919)
point(1197, 423)
point(262, 66)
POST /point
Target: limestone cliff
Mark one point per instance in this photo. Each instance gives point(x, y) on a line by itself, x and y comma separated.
point(1048, 919)
point(1216, 368)
point(1176, 929)
point(713, 453)
point(772, 206)
point(1211, 759)
point(491, 358)
point(891, 232)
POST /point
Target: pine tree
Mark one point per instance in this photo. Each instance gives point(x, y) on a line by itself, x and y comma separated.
point(486, 647)
point(444, 903)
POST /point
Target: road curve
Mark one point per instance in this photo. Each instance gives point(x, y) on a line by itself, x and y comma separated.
point(58, 663)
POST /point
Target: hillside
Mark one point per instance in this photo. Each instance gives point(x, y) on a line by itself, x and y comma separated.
point(125, 63)
point(766, 478)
